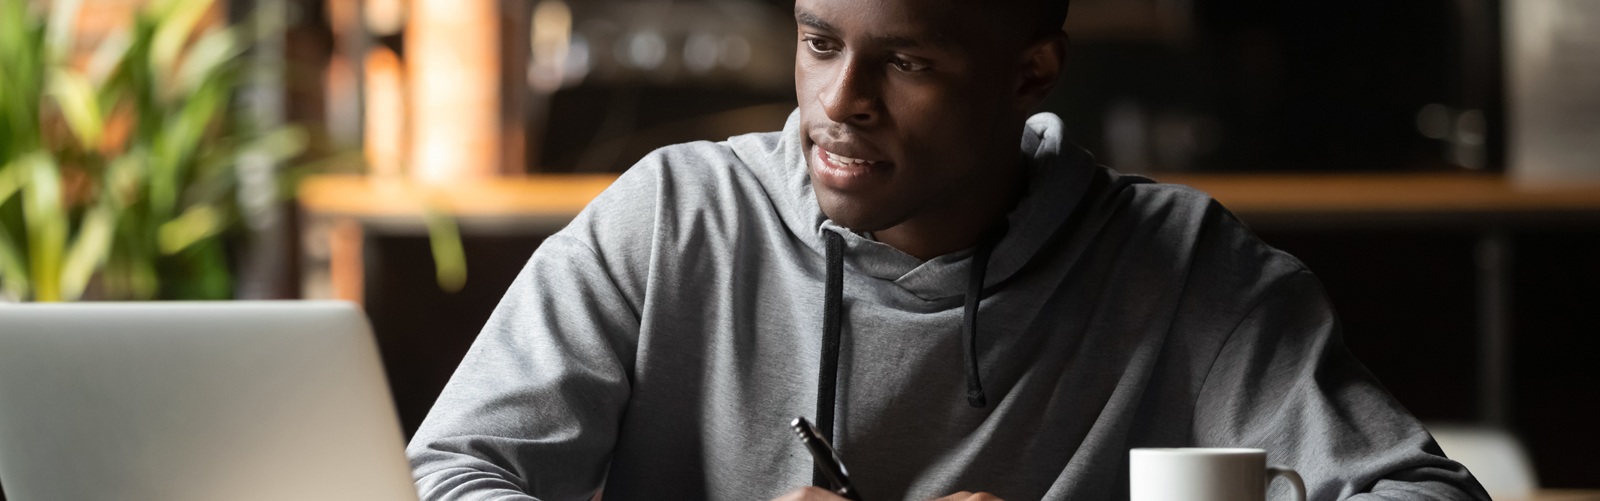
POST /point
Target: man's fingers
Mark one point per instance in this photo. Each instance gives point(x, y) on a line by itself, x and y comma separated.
point(809, 494)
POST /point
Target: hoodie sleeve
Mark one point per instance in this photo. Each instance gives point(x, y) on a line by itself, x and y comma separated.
point(533, 410)
point(1285, 382)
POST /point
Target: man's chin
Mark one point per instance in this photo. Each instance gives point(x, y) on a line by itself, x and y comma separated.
point(855, 215)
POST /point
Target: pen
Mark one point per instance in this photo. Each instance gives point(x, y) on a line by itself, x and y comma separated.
point(826, 459)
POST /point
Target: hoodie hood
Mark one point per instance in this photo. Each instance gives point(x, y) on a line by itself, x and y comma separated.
point(1058, 175)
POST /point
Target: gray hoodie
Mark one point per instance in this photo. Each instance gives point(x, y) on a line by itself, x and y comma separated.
point(659, 345)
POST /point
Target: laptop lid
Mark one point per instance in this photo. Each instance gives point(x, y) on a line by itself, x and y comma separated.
point(195, 401)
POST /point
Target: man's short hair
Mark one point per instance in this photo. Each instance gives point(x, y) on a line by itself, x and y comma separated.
point(1052, 15)
point(1040, 17)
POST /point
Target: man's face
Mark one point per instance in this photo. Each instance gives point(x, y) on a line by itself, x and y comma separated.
point(905, 105)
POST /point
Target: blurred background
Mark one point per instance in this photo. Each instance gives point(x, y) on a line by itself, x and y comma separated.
point(1435, 162)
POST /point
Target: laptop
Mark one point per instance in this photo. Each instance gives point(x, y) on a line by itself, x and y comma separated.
point(195, 401)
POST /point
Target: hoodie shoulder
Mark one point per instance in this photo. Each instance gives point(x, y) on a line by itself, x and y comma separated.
point(1184, 225)
point(697, 193)
point(700, 178)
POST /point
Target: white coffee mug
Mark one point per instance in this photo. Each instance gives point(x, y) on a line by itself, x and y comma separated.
point(1204, 474)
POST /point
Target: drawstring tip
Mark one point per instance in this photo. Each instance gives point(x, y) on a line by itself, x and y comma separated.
point(975, 399)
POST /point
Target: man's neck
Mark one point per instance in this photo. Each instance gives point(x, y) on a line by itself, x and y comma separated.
point(963, 222)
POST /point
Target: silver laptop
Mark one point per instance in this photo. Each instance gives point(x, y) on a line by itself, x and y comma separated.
point(195, 401)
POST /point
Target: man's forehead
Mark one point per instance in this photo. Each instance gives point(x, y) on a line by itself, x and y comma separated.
point(937, 23)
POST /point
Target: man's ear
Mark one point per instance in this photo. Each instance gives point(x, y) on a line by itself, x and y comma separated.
point(1041, 66)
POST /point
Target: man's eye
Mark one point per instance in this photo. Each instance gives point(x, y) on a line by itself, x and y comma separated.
point(819, 45)
point(907, 66)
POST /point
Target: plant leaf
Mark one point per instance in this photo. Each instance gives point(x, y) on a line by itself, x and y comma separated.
point(124, 178)
point(79, 104)
point(62, 30)
point(130, 272)
point(277, 146)
point(21, 67)
point(208, 56)
point(175, 22)
point(46, 218)
point(449, 258)
point(10, 180)
point(109, 54)
point(88, 251)
point(177, 144)
point(196, 224)
point(13, 271)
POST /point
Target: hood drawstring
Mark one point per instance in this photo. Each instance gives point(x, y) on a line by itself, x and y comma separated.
point(828, 370)
point(969, 315)
point(832, 303)
point(833, 299)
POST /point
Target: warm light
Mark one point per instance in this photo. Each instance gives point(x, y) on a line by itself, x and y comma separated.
point(385, 17)
point(385, 113)
point(552, 39)
point(342, 106)
point(644, 50)
point(453, 69)
point(700, 52)
point(735, 52)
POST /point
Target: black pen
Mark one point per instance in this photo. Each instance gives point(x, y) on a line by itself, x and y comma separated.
point(827, 460)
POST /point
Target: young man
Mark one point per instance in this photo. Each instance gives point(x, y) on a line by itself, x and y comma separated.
point(958, 313)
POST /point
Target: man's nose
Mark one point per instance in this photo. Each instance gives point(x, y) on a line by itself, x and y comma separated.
point(852, 95)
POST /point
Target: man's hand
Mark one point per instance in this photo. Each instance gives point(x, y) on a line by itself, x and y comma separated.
point(820, 494)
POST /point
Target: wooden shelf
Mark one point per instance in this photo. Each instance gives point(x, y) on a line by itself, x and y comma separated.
point(1279, 198)
point(1390, 199)
point(524, 204)
point(360, 196)
point(340, 210)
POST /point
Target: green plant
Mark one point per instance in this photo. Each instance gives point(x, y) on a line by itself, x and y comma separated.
point(122, 166)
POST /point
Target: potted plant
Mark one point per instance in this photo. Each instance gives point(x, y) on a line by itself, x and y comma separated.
point(118, 164)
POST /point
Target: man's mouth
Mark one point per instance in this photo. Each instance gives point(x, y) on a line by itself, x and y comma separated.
point(844, 160)
point(845, 173)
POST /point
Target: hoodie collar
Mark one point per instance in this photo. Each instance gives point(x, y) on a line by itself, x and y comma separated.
point(1058, 175)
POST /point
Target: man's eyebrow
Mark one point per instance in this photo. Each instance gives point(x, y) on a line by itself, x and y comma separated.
point(892, 41)
point(812, 20)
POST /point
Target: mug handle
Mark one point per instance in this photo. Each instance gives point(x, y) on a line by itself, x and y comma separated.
point(1292, 477)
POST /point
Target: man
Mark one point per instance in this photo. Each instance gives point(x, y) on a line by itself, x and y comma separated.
point(959, 314)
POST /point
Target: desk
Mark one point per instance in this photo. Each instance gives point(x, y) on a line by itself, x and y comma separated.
point(341, 209)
